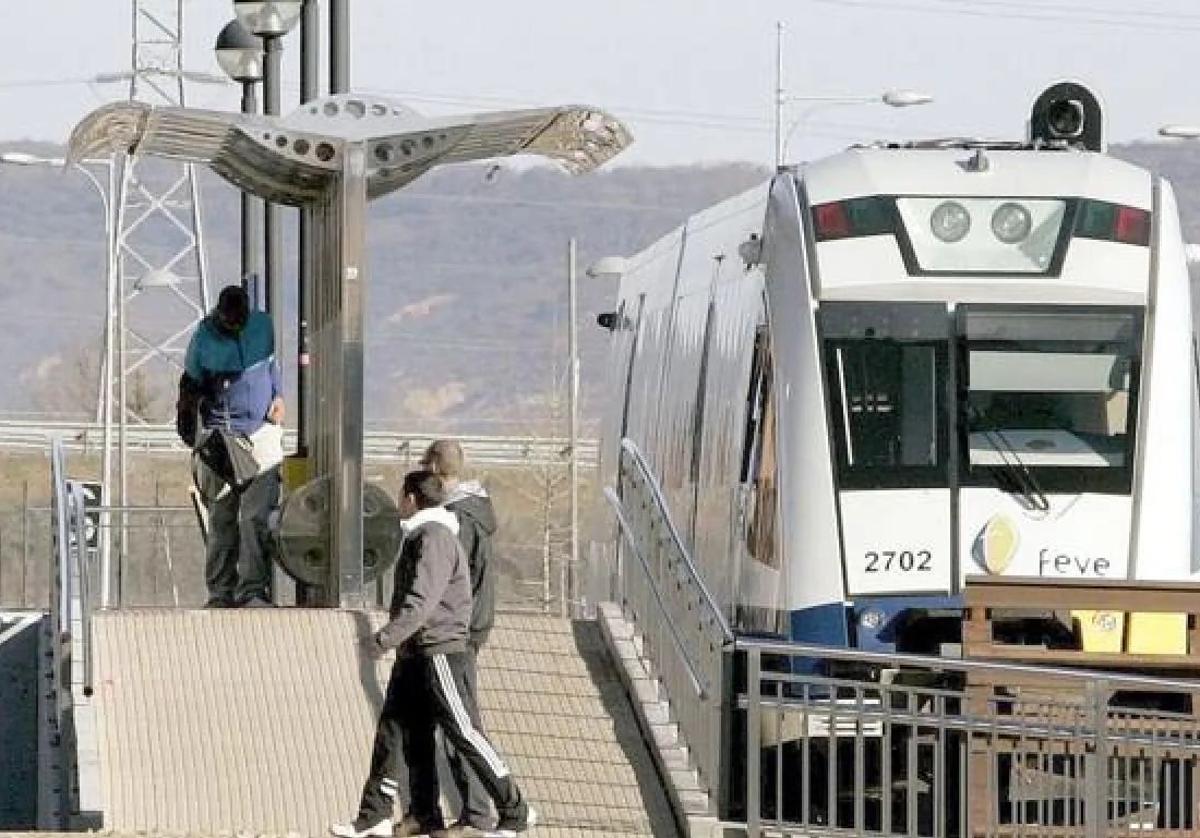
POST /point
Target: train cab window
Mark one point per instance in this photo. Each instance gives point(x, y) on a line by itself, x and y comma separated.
point(1052, 392)
point(759, 474)
point(886, 373)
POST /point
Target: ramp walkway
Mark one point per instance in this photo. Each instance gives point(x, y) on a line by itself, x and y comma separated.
point(261, 721)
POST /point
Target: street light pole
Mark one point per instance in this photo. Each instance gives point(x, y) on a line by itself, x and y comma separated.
point(568, 574)
point(240, 55)
point(273, 241)
point(339, 46)
point(270, 21)
point(251, 236)
point(104, 385)
point(779, 94)
point(892, 98)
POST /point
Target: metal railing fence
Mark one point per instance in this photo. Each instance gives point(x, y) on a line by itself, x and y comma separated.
point(806, 740)
point(941, 748)
point(683, 631)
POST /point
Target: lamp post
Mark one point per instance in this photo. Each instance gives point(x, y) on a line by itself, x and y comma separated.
point(899, 98)
point(105, 191)
point(104, 397)
point(240, 55)
point(1180, 132)
point(271, 20)
point(895, 98)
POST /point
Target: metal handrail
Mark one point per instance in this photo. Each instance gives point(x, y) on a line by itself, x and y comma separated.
point(61, 569)
point(79, 518)
point(809, 650)
point(69, 558)
point(630, 447)
point(627, 531)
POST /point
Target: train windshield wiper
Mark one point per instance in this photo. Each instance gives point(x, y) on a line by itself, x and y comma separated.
point(1012, 475)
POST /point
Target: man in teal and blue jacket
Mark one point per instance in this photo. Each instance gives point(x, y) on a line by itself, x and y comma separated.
point(232, 381)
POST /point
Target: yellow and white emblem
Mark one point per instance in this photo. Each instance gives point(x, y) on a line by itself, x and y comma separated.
point(998, 545)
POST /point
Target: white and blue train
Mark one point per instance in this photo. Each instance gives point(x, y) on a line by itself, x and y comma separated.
point(882, 373)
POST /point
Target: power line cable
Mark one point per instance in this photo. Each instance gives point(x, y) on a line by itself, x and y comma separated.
point(1090, 9)
point(996, 13)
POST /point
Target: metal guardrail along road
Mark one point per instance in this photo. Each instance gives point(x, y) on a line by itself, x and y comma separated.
point(378, 446)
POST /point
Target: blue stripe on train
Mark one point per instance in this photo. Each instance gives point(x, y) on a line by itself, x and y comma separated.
point(840, 624)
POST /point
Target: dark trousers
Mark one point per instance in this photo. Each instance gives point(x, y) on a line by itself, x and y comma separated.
point(476, 802)
point(424, 693)
point(237, 564)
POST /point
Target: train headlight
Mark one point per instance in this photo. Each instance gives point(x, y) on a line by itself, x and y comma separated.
point(950, 221)
point(1011, 223)
point(1104, 621)
point(871, 620)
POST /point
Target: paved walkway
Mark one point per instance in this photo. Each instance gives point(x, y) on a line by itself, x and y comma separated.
point(260, 722)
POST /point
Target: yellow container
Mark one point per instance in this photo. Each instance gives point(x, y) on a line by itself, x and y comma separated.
point(1152, 633)
point(1100, 631)
point(295, 472)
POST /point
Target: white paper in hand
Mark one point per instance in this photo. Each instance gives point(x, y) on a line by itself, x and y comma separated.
point(268, 446)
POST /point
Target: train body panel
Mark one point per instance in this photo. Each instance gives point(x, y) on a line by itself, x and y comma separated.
point(904, 367)
point(807, 513)
point(1163, 491)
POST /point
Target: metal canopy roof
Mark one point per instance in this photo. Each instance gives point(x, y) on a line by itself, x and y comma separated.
point(332, 156)
point(294, 159)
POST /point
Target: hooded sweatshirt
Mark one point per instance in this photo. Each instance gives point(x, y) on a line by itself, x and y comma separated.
point(431, 605)
point(476, 517)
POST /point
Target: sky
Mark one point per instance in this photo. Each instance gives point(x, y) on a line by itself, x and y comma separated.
point(694, 79)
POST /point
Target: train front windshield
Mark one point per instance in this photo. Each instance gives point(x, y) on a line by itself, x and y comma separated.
point(1029, 395)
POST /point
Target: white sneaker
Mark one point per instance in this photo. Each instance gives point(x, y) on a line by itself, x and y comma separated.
point(380, 829)
point(508, 829)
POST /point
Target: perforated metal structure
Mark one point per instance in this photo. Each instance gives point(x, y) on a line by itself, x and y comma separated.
point(332, 156)
point(158, 288)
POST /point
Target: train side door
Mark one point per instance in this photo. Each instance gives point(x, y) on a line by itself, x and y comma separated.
point(887, 372)
point(758, 577)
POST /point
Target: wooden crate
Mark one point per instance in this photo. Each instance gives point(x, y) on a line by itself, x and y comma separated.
point(986, 598)
point(1044, 699)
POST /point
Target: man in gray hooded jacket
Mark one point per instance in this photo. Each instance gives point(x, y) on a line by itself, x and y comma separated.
point(476, 517)
point(428, 627)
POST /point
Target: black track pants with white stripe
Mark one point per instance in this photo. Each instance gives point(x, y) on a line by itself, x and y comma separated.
point(424, 693)
point(396, 749)
point(452, 706)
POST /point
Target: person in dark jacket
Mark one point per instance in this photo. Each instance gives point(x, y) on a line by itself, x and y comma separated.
point(231, 381)
point(428, 627)
point(476, 517)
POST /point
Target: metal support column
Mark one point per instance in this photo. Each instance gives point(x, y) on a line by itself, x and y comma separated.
point(310, 63)
point(347, 429)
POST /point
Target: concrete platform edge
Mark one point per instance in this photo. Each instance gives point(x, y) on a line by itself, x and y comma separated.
point(693, 820)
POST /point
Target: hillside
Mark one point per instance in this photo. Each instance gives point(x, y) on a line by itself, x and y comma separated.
point(466, 294)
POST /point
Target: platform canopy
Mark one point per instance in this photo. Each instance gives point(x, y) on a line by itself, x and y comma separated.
point(330, 157)
point(292, 159)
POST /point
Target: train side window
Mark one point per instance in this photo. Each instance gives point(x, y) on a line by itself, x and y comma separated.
point(701, 394)
point(635, 341)
point(759, 477)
